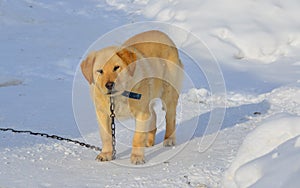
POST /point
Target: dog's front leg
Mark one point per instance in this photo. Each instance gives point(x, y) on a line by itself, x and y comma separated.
point(106, 137)
point(139, 138)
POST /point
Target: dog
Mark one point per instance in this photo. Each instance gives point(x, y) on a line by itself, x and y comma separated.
point(146, 65)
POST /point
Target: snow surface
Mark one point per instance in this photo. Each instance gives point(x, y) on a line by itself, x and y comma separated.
point(257, 45)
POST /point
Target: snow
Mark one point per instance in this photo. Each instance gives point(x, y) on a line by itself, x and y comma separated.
point(269, 148)
point(248, 49)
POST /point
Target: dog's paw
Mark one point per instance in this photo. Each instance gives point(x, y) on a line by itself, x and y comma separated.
point(137, 159)
point(169, 142)
point(107, 156)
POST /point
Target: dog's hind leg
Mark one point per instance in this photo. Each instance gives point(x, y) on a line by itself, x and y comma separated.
point(170, 97)
point(152, 127)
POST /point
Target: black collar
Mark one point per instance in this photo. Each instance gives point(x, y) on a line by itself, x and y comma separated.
point(132, 95)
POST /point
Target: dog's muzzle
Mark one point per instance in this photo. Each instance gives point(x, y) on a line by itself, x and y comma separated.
point(110, 85)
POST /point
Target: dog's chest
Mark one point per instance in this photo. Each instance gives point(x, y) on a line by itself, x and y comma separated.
point(122, 108)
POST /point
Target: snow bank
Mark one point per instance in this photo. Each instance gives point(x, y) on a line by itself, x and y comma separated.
point(261, 31)
point(269, 156)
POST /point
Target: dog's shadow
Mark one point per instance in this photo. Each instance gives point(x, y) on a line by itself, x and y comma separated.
point(198, 126)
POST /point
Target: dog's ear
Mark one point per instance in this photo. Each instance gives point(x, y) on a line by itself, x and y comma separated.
point(87, 67)
point(129, 57)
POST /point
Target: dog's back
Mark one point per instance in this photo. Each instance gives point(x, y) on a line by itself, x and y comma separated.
point(156, 41)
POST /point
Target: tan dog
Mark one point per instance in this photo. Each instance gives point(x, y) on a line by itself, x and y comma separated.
point(146, 64)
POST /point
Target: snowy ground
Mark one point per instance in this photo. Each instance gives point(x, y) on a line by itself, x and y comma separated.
point(257, 45)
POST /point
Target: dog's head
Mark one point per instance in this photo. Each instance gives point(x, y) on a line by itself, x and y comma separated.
point(103, 67)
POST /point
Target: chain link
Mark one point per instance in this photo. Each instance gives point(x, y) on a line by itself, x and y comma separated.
point(113, 126)
point(113, 133)
point(55, 137)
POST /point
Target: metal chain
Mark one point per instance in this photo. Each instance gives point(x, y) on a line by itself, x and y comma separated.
point(52, 137)
point(113, 133)
point(113, 126)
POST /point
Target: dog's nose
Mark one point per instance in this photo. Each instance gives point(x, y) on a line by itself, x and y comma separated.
point(109, 85)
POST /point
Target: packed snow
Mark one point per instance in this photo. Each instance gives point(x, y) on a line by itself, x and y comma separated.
point(253, 46)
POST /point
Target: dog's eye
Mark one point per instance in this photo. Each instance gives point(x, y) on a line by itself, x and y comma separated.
point(100, 71)
point(116, 68)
